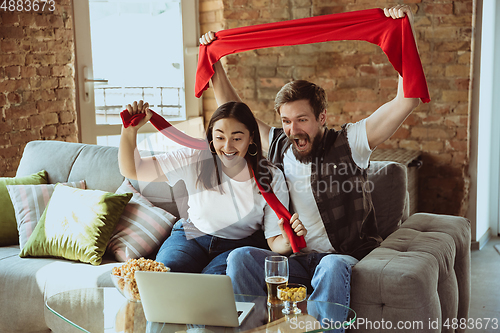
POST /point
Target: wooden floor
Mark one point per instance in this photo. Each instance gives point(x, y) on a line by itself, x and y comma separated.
point(485, 287)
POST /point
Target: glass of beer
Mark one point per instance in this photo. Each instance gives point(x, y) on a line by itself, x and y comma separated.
point(276, 270)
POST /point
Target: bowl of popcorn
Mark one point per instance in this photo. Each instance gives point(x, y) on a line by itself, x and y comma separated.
point(124, 279)
point(291, 294)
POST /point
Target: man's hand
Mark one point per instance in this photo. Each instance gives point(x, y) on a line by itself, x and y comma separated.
point(401, 11)
point(296, 225)
point(207, 38)
point(398, 12)
point(281, 244)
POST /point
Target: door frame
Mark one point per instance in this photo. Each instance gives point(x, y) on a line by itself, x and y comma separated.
point(484, 137)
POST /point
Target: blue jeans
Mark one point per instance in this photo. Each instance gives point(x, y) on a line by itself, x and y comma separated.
point(327, 275)
point(189, 250)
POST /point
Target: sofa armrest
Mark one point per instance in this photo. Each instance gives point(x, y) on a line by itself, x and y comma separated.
point(420, 274)
point(406, 210)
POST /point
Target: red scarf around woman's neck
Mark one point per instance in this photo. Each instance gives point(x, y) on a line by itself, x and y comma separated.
point(395, 38)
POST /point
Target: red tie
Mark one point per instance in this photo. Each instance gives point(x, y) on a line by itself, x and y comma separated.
point(395, 38)
point(174, 134)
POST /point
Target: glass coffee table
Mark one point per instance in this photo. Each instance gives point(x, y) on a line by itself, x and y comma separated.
point(105, 310)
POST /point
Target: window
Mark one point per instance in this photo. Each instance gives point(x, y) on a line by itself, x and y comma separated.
point(130, 50)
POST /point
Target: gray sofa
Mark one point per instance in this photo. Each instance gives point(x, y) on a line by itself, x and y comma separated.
point(421, 272)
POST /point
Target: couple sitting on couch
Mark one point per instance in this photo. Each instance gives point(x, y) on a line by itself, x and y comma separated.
point(226, 209)
point(325, 168)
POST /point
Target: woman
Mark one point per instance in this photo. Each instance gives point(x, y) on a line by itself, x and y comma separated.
point(226, 209)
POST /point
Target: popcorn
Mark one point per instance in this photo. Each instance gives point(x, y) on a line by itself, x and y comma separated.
point(127, 284)
point(292, 294)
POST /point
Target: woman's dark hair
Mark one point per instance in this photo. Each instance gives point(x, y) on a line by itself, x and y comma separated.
point(209, 169)
point(302, 89)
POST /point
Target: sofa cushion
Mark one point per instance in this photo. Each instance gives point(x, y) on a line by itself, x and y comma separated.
point(141, 229)
point(420, 271)
point(162, 195)
point(71, 162)
point(8, 225)
point(388, 181)
point(103, 161)
point(77, 224)
point(56, 157)
point(29, 202)
point(30, 281)
point(172, 199)
point(459, 230)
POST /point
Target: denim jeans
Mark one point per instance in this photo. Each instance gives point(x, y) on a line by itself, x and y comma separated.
point(189, 250)
point(327, 275)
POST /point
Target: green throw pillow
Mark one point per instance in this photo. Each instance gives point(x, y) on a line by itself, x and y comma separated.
point(8, 224)
point(76, 224)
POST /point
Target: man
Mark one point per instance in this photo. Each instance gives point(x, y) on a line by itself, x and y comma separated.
point(326, 171)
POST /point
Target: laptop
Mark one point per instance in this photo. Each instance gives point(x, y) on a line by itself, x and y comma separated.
point(187, 298)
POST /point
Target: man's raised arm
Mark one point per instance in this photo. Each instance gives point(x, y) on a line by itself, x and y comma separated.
point(224, 91)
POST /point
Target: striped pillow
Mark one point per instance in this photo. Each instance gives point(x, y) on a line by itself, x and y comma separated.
point(142, 228)
point(29, 202)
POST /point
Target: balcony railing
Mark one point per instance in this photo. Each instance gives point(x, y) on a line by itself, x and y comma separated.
point(110, 101)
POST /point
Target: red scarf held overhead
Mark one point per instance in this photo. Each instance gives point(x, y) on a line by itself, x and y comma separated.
point(162, 125)
point(395, 38)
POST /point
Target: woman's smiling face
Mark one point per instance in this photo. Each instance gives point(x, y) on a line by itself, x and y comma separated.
point(231, 140)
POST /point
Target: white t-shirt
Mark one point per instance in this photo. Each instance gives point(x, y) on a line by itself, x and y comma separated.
point(238, 212)
point(298, 176)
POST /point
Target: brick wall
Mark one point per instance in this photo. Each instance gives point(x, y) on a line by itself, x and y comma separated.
point(211, 19)
point(358, 79)
point(37, 88)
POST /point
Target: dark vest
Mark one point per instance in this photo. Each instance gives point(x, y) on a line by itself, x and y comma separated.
point(341, 191)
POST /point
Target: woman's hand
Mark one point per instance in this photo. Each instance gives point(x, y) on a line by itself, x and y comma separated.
point(207, 38)
point(132, 165)
point(296, 225)
point(140, 107)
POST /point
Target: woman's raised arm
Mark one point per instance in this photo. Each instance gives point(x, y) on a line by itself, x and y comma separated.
point(131, 164)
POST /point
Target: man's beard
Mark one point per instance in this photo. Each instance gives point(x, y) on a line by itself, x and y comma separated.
point(315, 143)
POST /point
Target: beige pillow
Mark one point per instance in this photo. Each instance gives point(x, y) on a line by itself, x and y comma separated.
point(29, 202)
point(76, 224)
point(8, 225)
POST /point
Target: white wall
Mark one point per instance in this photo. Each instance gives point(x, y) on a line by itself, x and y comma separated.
point(488, 126)
point(495, 221)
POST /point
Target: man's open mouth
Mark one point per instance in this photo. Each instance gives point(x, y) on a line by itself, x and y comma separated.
point(303, 147)
point(301, 144)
